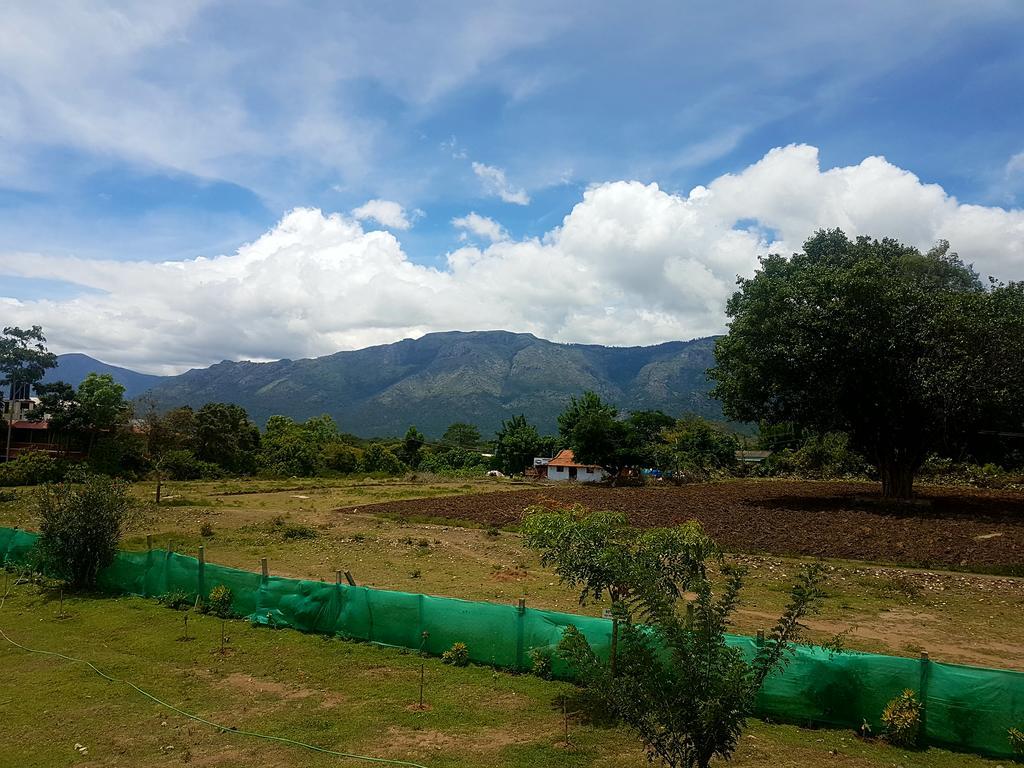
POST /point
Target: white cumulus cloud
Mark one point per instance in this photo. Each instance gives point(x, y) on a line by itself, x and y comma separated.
point(630, 264)
point(481, 226)
point(387, 213)
point(497, 184)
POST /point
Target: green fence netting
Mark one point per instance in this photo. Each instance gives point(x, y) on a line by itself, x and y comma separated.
point(966, 708)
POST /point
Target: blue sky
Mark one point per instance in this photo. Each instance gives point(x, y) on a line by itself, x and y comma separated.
point(135, 133)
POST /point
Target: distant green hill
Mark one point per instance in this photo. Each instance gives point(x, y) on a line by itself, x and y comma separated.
point(74, 367)
point(481, 377)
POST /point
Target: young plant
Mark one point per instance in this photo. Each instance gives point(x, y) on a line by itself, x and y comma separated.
point(177, 599)
point(219, 601)
point(677, 683)
point(600, 554)
point(902, 718)
point(457, 655)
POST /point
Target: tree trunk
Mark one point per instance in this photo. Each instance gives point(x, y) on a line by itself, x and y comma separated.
point(897, 480)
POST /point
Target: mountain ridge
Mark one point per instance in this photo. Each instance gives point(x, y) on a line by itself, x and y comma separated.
point(481, 377)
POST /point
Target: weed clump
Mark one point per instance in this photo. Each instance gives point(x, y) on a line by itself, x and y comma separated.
point(902, 718)
point(219, 601)
point(297, 531)
point(457, 655)
point(176, 599)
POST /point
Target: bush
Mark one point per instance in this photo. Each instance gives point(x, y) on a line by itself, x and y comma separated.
point(377, 458)
point(457, 655)
point(176, 599)
point(902, 718)
point(206, 529)
point(540, 662)
point(183, 465)
point(820, 456)
point(342, 458)
point(31, 468)
point(219, 601)
point(80, 527)
point(453, 460)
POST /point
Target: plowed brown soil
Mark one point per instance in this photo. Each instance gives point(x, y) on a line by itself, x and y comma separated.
point(944, 527)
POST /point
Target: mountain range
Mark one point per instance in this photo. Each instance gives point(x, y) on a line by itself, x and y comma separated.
point(480, 377)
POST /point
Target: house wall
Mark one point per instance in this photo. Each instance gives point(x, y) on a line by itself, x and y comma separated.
point(561, 474)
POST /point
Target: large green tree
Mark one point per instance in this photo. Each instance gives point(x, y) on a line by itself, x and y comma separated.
point(518, 442)
point(461, 435)
point(226, 437)
point(592, 429)
point(907, 352)
point(24, 361)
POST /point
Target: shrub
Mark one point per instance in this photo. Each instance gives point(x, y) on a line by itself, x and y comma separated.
point(296, 531)
point(457, 655)
point(902, 718)
point(80, 527)
point(540, 662)
point(206, 530)
point(6, 496)
point(31, 468)
point(183, 465)
point(342, 458)
point(219, 601)
point(176, 599)
point(1016, 736)
point(377, 458)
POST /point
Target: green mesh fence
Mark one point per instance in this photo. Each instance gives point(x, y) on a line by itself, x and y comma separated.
point(966, 708)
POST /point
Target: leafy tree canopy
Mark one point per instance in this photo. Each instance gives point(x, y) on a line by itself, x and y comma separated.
point(906, 352)
point(518, 442)
point(24, 359)
point(461, 435)
point(226, 437)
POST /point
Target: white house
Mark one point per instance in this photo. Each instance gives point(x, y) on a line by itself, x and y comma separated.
point(564, 468)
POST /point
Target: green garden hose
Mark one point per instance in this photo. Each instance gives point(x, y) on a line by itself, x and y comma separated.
point(197, 718)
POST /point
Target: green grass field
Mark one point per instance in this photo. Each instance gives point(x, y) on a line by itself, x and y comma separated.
point(337, 695)
point(358, 697)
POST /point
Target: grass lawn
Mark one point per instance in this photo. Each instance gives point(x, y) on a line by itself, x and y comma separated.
point(334, 694)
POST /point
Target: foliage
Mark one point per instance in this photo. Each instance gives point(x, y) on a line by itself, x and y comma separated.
point(101, 403)
point(292, 449)
point(690, 704)
point(541, 660)
point(80, 527)
point(377, 458)
point(119, 453)
point(413, 441)
point(696, 447)
point(24, 358)
point(339, 457)
point(591, 428)
point(219, 601)
point(457, 655)
point(176, 599)
point(461, 435)
point(181, 464)
point(820, 456)
point(226, 437)
point(599, 554)
point(452, 460)
point(906, 352)
point(31, 468)
point(902, 719)
point(518, 442)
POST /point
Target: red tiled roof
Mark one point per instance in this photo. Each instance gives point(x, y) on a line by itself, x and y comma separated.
point(30, 425)
point(567, 459)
